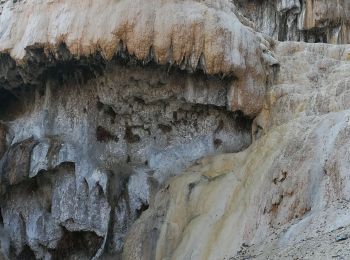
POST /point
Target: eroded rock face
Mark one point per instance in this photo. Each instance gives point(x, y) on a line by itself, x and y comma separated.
point(300, 20)
point(192, 35)
point(42, 213)
point(290, 186)
point(104, 104)
point(105, 101)
point(122, 135)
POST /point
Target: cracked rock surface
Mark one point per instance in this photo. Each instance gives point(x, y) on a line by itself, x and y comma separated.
point(300, 20)
point(165, 129)
point(122, 135)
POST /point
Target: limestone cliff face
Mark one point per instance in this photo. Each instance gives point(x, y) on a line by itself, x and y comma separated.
point(300, 20)
point(171, 129)
point(290, 186)
point(101, 102)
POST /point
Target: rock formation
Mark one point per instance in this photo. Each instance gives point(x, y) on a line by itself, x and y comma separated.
point(300, 20)
point(172, 129)
point(290, 185)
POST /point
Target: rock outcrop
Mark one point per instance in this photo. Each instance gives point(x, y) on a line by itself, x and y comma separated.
point(190, 35)
point(289, 186)
point(172, 129)
point(300, 20)
point(100, 107)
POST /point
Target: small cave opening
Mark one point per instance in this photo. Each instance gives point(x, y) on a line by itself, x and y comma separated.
point(99, 105)
point(130, 137)
point(217, 143)
point(107, 110)
point(243, 122)
point(10, 104)
point(77, 244)
point(103, 135)
point(26, 254)
point(144, 206)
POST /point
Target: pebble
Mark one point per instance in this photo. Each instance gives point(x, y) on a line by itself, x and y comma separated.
point(341, 237)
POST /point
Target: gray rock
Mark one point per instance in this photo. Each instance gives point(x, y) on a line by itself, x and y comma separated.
point(90, 131)
point(16, 162)
point(300, 20)
point(341, 237)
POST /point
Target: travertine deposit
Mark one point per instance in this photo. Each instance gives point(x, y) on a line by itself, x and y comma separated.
point(192, 35)
point(325, 21)
point(290, 185)
point(167, 129)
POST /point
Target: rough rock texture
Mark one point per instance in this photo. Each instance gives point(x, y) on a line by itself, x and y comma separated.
point(107, 107)
point(205, 35)
point(125, 133)
point(289, 186)
point(101, 102)
point(300, 20)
